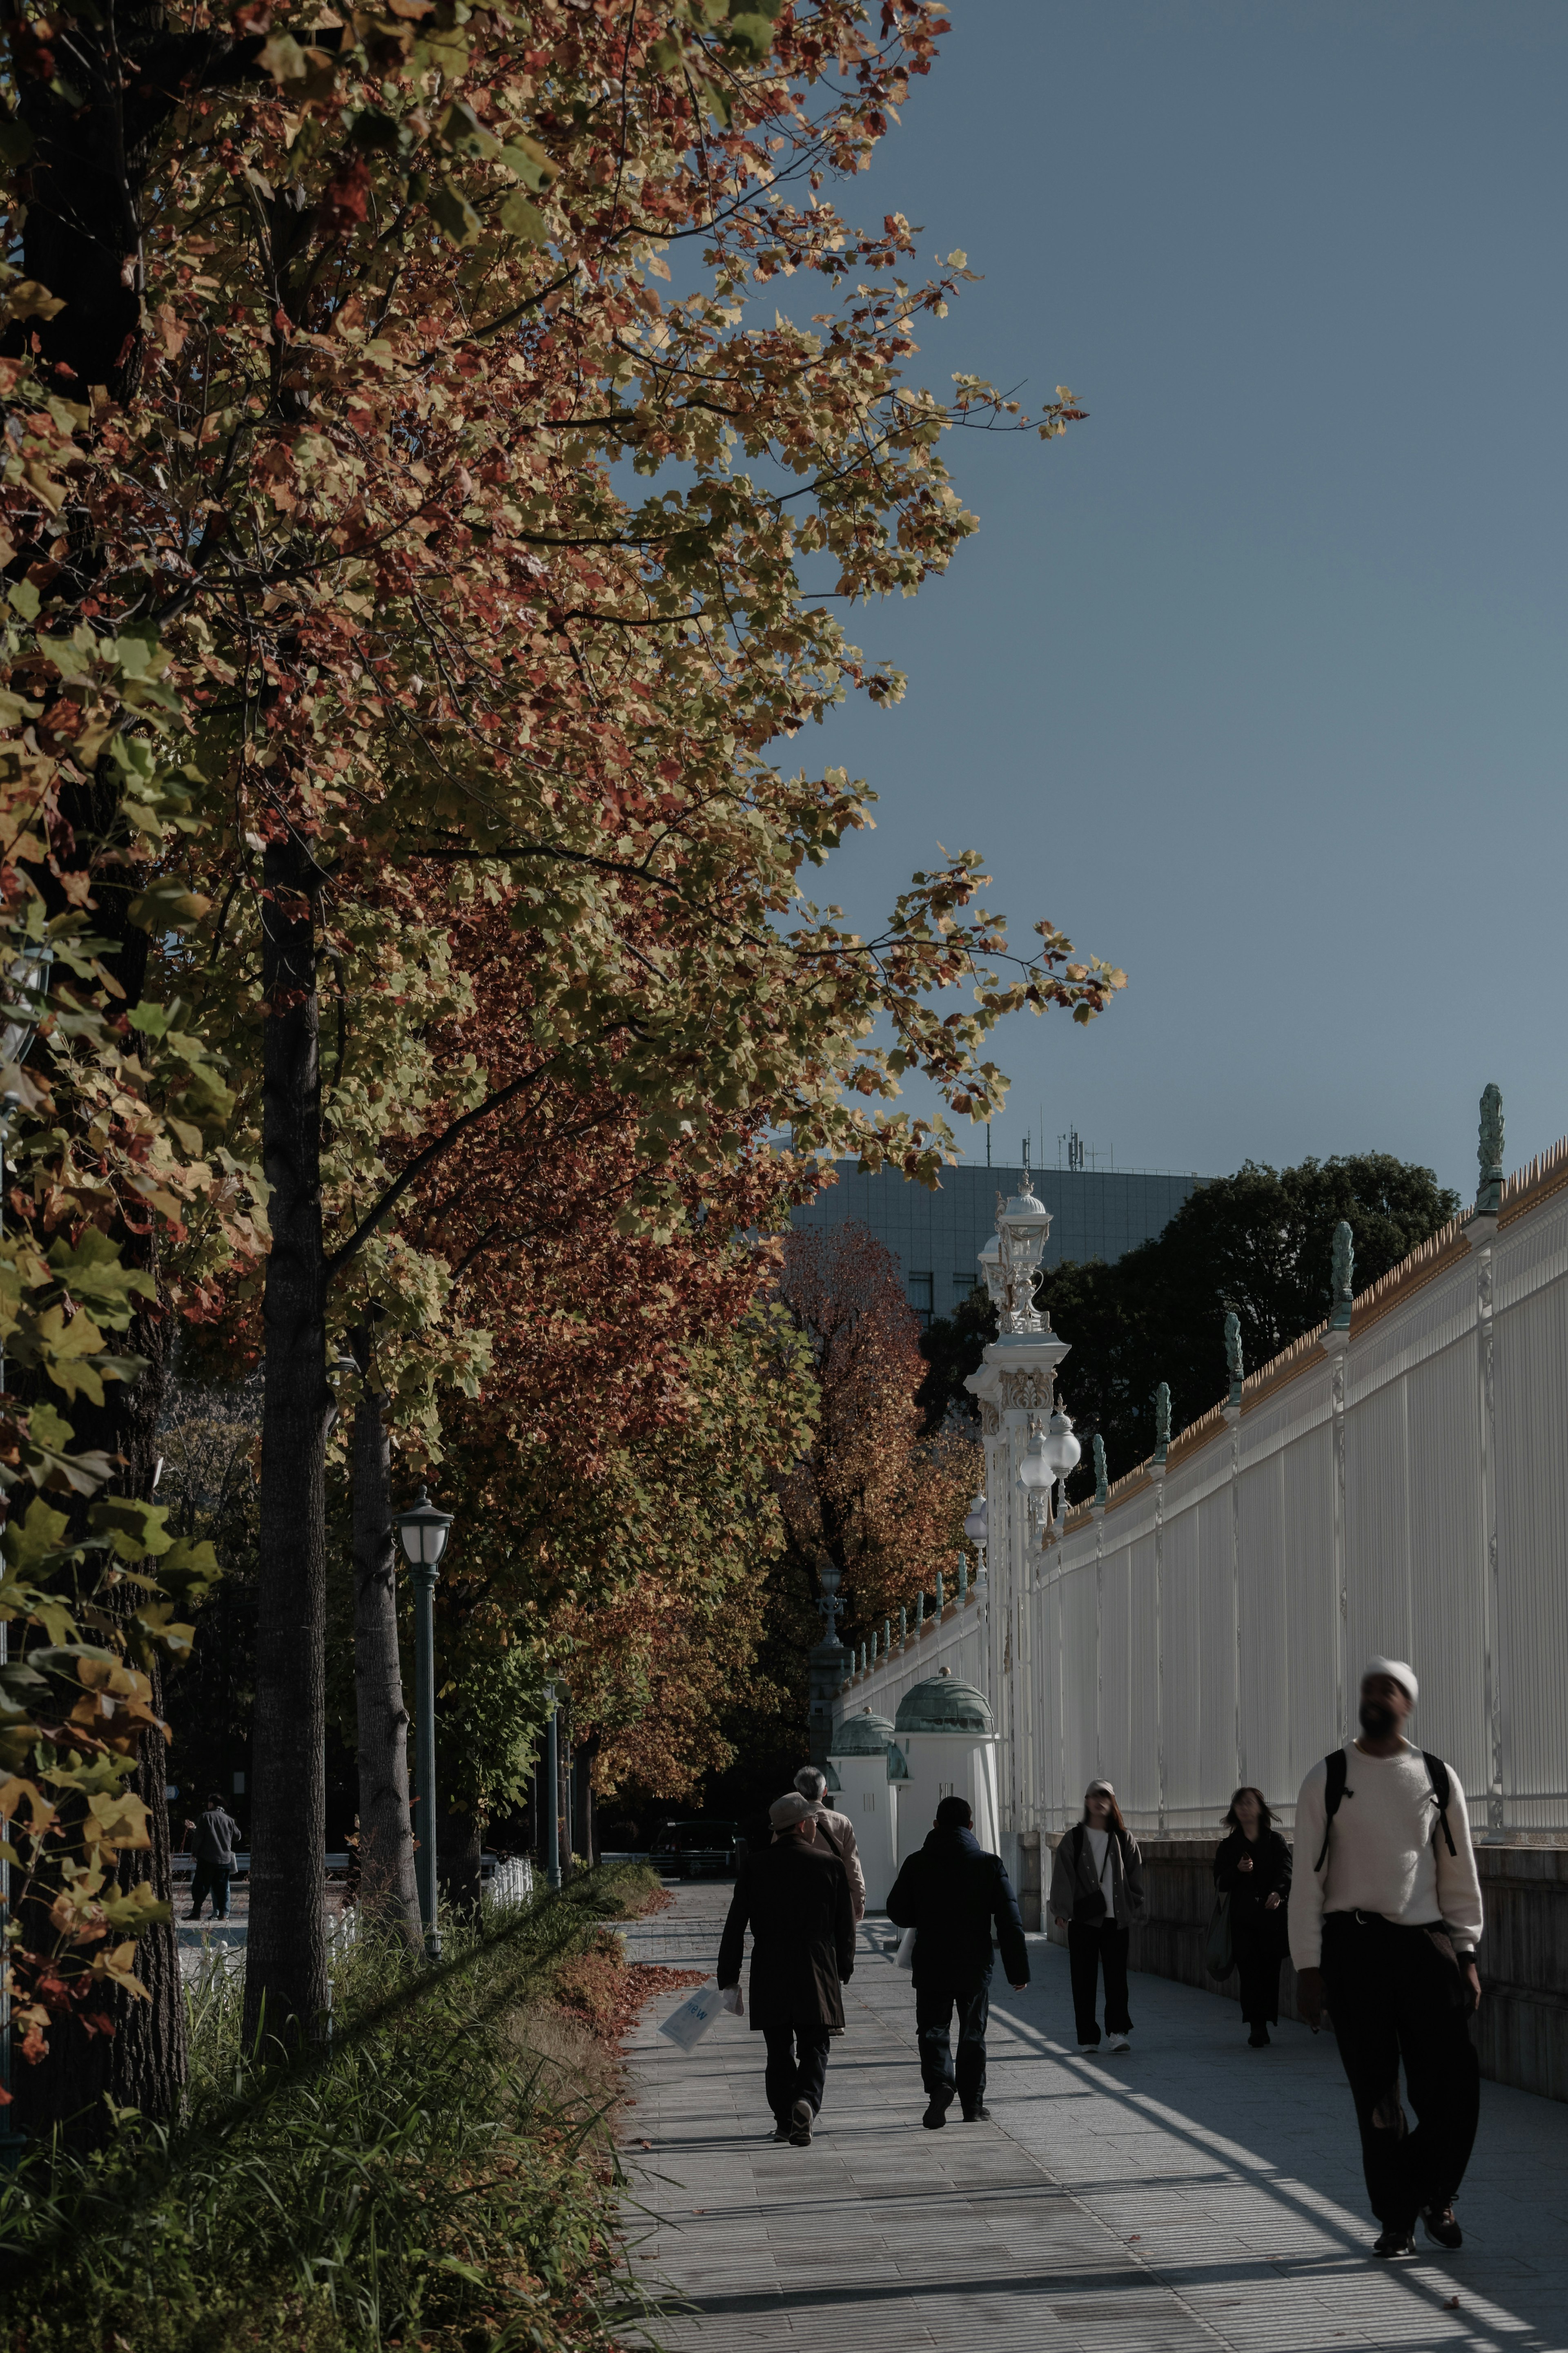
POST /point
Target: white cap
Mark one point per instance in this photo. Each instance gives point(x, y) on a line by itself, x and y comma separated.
point(1402, 1675)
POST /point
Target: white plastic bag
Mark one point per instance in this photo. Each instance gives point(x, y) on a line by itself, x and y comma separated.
point(689, 2024)
point(904, 1958)
point(730, 2001)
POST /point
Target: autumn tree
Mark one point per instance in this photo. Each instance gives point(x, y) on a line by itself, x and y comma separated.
point(332, 345)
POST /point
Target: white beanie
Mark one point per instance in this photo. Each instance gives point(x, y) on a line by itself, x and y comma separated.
point(1402, 1675)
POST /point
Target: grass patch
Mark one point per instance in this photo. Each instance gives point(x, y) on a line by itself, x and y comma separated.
point(443, 2176)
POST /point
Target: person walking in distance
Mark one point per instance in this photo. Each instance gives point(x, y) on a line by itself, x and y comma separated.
point(950, 1892)
point(812, 1783)
point(1097, 1894)
point(793, 1896)
point(217, 1836)
point(1385, 1915)
point(1253, 1868)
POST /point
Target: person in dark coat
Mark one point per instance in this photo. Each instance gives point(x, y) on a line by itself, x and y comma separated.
point(1097, 1895)
point(1253, 1868)
point(951, 1894)
point(793, 1896)
point(218, 1835)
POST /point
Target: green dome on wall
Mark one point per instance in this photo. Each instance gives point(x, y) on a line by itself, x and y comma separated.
point(943, 1704)
point(862, 1735)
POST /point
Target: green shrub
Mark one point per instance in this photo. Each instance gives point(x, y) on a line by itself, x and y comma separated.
point(426, 2179)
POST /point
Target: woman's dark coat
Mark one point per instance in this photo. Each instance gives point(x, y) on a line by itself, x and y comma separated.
point(794, 1898)
point(1249, 1890)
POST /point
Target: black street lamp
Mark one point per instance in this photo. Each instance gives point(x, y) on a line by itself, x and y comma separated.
point(424, 1532)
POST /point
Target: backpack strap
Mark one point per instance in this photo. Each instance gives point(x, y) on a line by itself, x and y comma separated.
point(1336, 1770)
point(1437, 1774)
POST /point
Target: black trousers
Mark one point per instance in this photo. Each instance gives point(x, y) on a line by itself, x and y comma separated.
point(1089, 1950)
point(934, 2008)
point(1255, 1938)
point(1394, 1994)
point(798, 2067)
point(209, 1879)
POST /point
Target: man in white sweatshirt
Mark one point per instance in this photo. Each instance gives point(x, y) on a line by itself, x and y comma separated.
point(1385, 1915)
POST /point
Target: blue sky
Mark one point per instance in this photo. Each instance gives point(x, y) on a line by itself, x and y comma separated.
point(1255, 682)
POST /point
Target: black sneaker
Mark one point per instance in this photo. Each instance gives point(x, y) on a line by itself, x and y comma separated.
point(1440, 2227)
point(781, 2132)
point(980, 2115)
point(1259, 2039)
point(937, 2107)
point(800, 2124)
point(1399, 2239)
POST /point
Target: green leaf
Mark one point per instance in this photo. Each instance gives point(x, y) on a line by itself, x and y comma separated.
point(753, 34)
point(532, 163)
point(454, 214)
point(520, 218)
point(24, 598)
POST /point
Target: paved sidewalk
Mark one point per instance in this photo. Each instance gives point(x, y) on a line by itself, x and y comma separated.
point(1195, 2194)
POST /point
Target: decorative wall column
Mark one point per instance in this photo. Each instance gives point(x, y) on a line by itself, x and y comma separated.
point(1015, 1388)
point(1482, 1230)
point(1336, 1342)
point(1232, 1423)
point(1161, 1449)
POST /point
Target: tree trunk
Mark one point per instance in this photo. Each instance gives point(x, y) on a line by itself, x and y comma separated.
point(142, 2064)
point(386, 1891)
point(286, 1958)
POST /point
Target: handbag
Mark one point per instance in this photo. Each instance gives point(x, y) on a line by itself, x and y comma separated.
point(1219, 1951)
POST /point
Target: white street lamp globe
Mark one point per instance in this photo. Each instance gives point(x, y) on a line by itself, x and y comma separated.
point(1034, 1472)
point(1061, 1448)
point(424, 1531)
point(978, 1522)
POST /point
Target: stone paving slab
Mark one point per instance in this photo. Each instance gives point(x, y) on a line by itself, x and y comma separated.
point(1195, 2194)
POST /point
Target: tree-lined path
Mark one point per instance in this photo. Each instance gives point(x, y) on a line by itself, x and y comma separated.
point(1196, 2194)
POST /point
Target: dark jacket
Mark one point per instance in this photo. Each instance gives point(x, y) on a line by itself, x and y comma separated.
point(217, 1834)
point(1249, 1890)
point(950, 1892)
point(1073, 1875)
point(794, 1899)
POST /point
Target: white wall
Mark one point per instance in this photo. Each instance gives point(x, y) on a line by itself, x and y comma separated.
point(1403, 1488)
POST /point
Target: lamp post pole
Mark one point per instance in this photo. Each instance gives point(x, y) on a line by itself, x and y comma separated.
point(552, 1780)
point(425, 1749)
point(424, 1531)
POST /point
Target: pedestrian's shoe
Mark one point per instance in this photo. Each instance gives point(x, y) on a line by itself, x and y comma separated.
point(1086, 2047)
point(800, 2123)
point(781, 2132)
point(1399, 2239)
point(1120, 2042)
point(980, 2115)
point(937, 2107)
point(1259, 2039)
point(1440, 2227)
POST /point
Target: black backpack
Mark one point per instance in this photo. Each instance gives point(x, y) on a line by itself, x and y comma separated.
point(1337, 1768)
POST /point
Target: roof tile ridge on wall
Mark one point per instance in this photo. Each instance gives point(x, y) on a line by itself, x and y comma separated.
point(1547, 1174)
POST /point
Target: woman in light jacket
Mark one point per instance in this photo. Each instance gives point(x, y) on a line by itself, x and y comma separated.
point(1096, 1893)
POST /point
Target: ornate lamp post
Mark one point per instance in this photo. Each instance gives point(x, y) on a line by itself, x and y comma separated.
point(424, 1531)
point(977, 1527)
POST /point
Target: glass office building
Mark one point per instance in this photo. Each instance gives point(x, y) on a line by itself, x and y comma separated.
point(937, 1236)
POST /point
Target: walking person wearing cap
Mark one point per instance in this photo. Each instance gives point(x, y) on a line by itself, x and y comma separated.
point(1096, 1893)
point(793, 1896)
point(837, 1830)
point(1385, 1915)
point(950, 1892)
